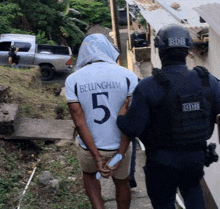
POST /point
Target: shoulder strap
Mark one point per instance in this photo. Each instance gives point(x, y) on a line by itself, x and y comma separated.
point(159, 75)
point(203, 74)
point(162, 79)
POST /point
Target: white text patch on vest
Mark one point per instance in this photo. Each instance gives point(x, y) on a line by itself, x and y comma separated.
point(191, 106)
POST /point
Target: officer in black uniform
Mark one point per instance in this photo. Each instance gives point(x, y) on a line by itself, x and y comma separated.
point(173, 113)
point(13, 58)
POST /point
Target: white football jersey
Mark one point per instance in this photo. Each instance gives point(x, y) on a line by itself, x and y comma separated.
point(101, 88)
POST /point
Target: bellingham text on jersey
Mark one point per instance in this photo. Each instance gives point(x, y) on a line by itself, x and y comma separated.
point(102, 85)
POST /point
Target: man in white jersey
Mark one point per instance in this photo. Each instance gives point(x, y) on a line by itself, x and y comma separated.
point(95, 94)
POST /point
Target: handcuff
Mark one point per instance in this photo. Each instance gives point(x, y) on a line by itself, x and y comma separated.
point(116, 158)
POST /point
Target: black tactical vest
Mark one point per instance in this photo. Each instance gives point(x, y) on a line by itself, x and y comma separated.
point(183, 118)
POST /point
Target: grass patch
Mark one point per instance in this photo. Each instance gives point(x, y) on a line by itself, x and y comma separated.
point(18, 160)
point(63, 167)
point(35, 99)
point(19, 157)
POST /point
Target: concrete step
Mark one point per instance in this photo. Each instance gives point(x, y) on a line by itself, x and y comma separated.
point(42, 129)
point(8, 117)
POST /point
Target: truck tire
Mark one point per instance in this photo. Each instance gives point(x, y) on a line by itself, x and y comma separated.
point(47, 72)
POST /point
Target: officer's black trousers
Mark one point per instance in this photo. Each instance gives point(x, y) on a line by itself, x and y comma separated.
point(162, 183)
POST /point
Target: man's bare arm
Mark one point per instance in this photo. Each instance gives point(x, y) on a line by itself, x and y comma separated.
point(125, 140)
point(78, 117)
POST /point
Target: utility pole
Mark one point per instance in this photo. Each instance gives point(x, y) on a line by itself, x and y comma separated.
point(129, 28)
point(115, 28)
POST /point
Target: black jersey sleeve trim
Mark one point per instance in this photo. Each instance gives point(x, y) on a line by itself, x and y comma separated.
point(73, 101)
point(128, 83)
point(76, 91)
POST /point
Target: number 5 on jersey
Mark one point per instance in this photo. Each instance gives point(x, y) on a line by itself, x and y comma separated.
point(95, 106)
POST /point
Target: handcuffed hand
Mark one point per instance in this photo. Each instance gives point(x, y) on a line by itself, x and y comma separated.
point(102, 168)
point(114, 162)
point(114, 167)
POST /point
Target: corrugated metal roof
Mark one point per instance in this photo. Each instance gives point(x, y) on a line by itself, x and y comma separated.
point(130, 2)
point(155, 15)
point(147, 4)
point(158, 18)
point(210, 13)
point(185, 11)
point(161, 13)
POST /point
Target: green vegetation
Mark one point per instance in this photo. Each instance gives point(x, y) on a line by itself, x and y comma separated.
point(53, 22)
point(19, 157)
point(26, 89)
point(121, 3)
point(92, 12)
point(141, 20)
point(61, 167)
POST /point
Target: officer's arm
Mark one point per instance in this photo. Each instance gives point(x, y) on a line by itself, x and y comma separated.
point(78, 117)
point(133, 123)
point(124, 109)
point(125, 140)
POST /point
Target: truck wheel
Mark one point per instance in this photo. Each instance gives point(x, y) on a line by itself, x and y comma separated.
point(47, 72)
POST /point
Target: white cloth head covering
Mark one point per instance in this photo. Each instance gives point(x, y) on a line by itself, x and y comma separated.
point(96, 47)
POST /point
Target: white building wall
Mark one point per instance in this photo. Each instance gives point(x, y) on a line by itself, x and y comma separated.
point(212, 63)
point(212, 174)
point(214, 53)
point(212, 60)
point(197, 60)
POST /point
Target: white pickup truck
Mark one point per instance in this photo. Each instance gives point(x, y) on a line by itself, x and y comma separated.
point(50, 59)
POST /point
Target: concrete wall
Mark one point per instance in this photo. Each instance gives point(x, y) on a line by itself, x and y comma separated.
point(130, 58)
point(196, 60)
point(212, 174)
point(212, 62)
point(214, 53)
point(133, 65)
point(143, 68)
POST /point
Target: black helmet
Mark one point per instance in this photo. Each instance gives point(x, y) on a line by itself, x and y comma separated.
point(173, 36)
